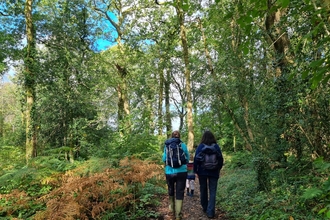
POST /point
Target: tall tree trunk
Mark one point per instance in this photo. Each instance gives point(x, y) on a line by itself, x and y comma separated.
point(150, 113)
point(280, 43)
point(29, 62)
point(246, 119)
point(160, 102)
point(2, 120)
point(167, 104)
point(207, 53)
point(123, 103)
point(183, 36)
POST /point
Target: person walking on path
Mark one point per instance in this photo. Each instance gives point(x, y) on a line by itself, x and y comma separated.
point(176, 175)
point(190, 183)
point(208, 177)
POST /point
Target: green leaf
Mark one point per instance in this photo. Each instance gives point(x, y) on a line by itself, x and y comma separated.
point(169, 4)
point(317, 78)
point(245, 50)
point(322, 210)
point(316, 63)
point(312, 193)
point(248, 19)
point(326, 79)
point(241, 22)
point(185, 7)
point(304, 74)
point(327, 185)
point(284, 3)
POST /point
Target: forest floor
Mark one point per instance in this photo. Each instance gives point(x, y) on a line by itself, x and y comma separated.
point(191, 209)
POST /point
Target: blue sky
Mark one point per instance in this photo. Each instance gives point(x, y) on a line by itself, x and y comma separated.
point(102, 44)
point(109, 33)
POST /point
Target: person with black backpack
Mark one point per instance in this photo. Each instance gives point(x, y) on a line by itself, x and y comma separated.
point(175, 157)
point(208, 162)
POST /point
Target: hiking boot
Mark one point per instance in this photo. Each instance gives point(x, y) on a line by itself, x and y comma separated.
point(171, 206)
point(192, 193)
point(178, 207)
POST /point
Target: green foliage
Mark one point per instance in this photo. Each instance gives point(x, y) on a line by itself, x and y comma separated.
point(261, 165)
point(146, 199)
point(240, 159)
point(11, 158)
point(319, 194)
point(143, 146)
point(242, 88)
point(33, 179)
point(238, 193)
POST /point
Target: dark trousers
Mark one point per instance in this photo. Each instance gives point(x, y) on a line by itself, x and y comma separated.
point(208, 185)
point(176, 184)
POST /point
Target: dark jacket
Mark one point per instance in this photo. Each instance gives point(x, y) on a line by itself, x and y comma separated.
point(198, 169)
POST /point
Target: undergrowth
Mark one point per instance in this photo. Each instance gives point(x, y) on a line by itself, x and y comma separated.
point(292, 194)
point(54, 189)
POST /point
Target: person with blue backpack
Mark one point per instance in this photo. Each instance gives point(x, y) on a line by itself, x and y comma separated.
point(175, 157)
point(208, 162)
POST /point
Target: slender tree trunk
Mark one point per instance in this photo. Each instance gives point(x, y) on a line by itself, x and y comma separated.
point(167, 104)
point(247, 120)
point(183, 36)
point(2, 119)
point(150, 113)
point(160, 102)
point(207, 53)
point(29, 62)
point(123, 102)
point(234, 143)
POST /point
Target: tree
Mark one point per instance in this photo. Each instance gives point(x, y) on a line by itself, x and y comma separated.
point(10, 114)
point(122, 11)
point(30, 73)
point(67, 103)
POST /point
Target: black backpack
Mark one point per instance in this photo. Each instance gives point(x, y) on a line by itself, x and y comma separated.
point(175, 156)
point(210, 158)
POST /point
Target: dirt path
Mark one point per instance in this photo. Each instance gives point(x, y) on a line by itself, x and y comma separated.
point(192, 209)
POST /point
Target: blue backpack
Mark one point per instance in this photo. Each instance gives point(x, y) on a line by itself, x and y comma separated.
point(210, 158)
point(175, 156)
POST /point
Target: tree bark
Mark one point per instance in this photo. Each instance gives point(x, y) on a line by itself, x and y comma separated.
point(207, 53)
point(160, 102)
point(183, 36)
point(167, 104)
point(280, 42)
point(29, 63)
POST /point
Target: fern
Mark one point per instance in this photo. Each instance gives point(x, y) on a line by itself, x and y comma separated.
point(90, 196)
point(312, 193)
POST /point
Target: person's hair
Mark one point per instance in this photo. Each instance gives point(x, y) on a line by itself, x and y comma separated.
point(175, 134)
point(208, 138)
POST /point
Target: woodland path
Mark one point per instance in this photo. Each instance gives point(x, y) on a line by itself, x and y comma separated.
point(192, 209)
